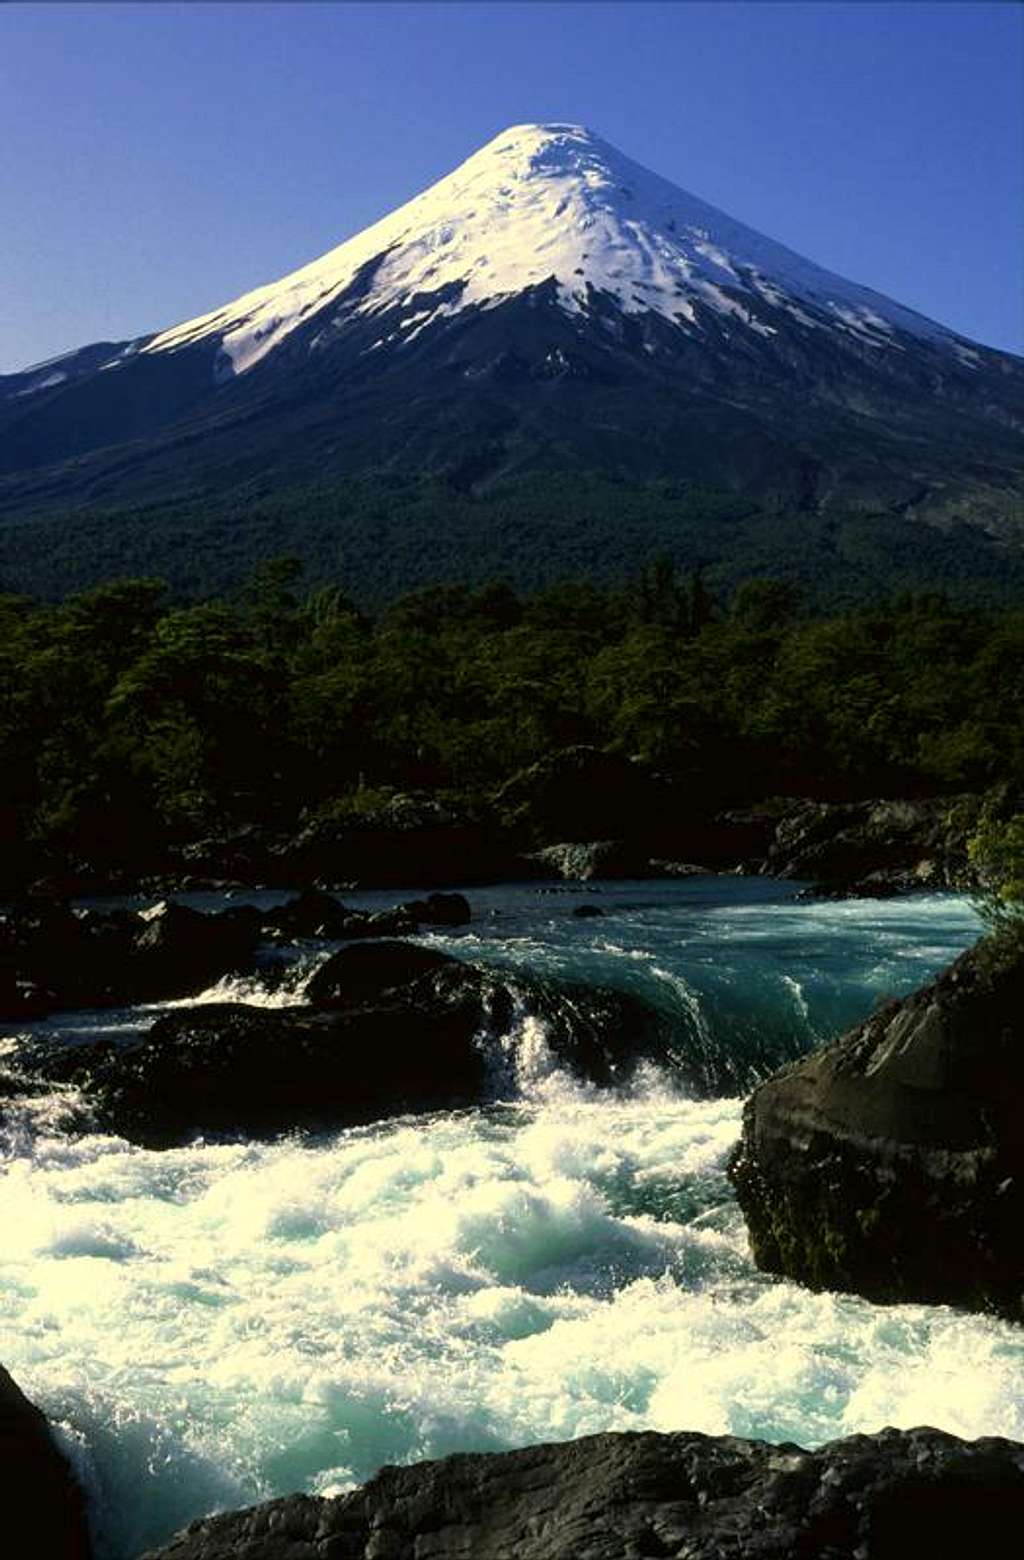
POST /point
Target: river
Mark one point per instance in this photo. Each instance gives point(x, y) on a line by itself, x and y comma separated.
point(216, 1324)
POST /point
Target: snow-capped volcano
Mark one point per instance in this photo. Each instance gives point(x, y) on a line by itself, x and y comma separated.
point(550, 308)
point(553, 202)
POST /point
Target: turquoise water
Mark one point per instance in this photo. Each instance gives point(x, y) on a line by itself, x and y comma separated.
point(220, 1323)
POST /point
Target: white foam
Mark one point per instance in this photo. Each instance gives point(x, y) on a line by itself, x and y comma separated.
point(219, 1323)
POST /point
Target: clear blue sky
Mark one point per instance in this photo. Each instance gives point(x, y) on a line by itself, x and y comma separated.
point(157, 160)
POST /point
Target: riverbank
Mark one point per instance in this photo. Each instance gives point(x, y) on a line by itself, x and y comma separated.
point(861, 848)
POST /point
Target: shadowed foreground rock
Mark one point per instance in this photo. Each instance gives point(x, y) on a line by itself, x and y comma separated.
point(891, 1163)
point(43, 1512)
point(891, 1496)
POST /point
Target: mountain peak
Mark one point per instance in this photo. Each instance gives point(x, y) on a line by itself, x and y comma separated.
point(543, 203)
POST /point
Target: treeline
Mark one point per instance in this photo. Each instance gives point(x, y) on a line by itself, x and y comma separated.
point(127, 721)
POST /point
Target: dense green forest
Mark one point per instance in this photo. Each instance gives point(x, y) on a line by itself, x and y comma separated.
point(387, 534)
point(128, 720)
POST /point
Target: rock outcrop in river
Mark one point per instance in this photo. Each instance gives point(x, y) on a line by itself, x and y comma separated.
point(387, 1027)
point(622, 1497)
point(52, 956)
point(891, 1162)
point(42, 1510)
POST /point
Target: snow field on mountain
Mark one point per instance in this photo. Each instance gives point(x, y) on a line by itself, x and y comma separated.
point(543, 201)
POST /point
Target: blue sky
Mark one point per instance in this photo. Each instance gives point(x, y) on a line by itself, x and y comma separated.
point(157, 160)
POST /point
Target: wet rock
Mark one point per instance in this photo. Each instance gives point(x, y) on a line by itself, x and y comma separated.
point(230, 1070)
point(313, 913)
point(387, 971)
point(179, 951)
point(579, 863)
point(891, 1162)
point(916, 843)
point(587, 912)
point(439, 910)
point(388, 1027)
point(599, 1034)
point(52, 956)
point(43, 1508)
point(888, 1496)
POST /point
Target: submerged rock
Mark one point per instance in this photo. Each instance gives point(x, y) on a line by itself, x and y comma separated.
point(891, 1162)
point(43, 1508)
point(888, 1496)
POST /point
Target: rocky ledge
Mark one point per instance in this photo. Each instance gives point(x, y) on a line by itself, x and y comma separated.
point(43, 1506)
point(628, 1497)
point(386, 1027)
point(891, 1163)
point(52, 956)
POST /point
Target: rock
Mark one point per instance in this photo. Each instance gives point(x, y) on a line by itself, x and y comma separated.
point(600, 1034)
point(918, 843)
point(387, 972)
point(239, 855)
point(312, 913)
point(229, 1069)
point(315, 913)
point(439, 910)
point(889, 1496)
point(389, 1027)
point(179, 951)
point(578, 863)
point(43, 1508)
point(875, 886)
point(891, 1162)
point(52, 956)
point(587, 912)
point(408, 838)
point(675, 869)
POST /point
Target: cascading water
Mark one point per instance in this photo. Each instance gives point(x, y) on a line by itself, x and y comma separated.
point(218, 1323)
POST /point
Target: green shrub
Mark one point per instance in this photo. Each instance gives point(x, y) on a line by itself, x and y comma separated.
point(996, 853)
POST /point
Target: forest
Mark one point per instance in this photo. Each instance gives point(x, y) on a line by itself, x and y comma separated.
point(129, 720)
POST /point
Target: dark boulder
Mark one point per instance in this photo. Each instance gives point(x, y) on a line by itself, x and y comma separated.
point(404, 838)
point(391, 973)
point(52, 956)
point(891, 1162)
point(888, 1496)
point(43, 1508)
point(388, 1027)
point(918, 843)
point(228, 1069)
point(601, 1035)
point(439, 910)
point(313, 913)
point(178, 951)
point(394, 1028)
